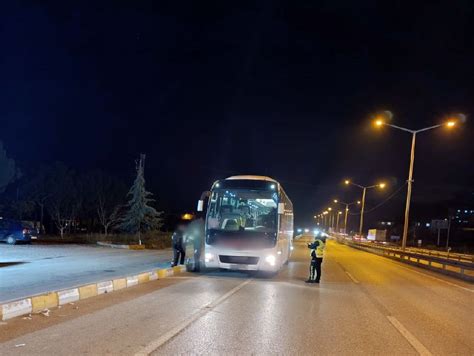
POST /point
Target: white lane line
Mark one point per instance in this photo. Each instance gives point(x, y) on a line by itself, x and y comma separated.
point(417, 345)
point(352, 278)
point(436, 278)
point(154, 345)
point(399, 264)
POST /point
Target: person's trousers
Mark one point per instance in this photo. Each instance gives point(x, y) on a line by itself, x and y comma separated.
point(178, 256)
point(315, 269)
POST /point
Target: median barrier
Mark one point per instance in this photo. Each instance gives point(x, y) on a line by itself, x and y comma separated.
point(45, 301)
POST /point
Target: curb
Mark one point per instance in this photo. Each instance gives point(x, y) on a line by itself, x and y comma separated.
point(38, 303)
point(126, 247)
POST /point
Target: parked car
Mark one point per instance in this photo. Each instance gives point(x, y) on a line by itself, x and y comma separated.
point(12, 232)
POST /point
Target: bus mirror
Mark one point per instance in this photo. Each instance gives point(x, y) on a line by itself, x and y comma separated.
point(281, 208)
point(200, 206)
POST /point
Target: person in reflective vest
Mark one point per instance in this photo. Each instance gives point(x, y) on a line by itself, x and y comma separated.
point(317, 254)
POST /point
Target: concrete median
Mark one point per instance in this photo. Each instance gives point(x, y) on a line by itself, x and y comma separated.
point(53, 299)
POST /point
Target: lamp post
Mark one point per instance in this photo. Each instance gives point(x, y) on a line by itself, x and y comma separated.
point(325, 215)
point(381, 121)
point(364, 190)
point(346, 211)
point(337, 223)
point(331, 218)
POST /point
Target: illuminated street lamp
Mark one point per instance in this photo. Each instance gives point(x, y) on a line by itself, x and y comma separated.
point(381, 120)
point(326, 220)
point(364, 189)
point(346, 210)
point(331, 218)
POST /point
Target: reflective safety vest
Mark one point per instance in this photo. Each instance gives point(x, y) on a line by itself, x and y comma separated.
point(319, 250)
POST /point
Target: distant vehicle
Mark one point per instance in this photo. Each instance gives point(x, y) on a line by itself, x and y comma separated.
point(12, 232)
point(248, 225)
point(377, 235)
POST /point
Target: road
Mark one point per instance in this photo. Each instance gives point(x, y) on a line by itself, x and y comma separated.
point(366, 304)
point(44, 268)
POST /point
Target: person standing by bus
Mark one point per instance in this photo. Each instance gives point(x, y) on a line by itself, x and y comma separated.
point(317, 254)
point(178, 245)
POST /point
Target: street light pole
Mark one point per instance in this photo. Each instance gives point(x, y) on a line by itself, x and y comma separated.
point(361, 224)
point(364, 190)
point(337, 221)
point(380, 122)
point(410, 183)
point(346, 211)
point(345, 218)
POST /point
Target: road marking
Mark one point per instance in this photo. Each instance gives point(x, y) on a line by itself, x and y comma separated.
point(417, 345)
point(154, 345)
point(352, 278)
point(400, 264)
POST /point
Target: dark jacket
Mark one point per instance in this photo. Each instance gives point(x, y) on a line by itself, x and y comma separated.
point(177, 240)
point(313, 247)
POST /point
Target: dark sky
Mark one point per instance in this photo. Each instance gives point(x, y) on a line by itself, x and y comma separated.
point(210, 89)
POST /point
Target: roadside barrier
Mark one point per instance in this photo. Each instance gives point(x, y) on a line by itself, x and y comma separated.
point(441, 263)
point(45, 301)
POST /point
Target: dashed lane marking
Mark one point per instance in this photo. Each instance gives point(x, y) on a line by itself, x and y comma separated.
point(352, 278)
point(154, 345)
point(417, 345)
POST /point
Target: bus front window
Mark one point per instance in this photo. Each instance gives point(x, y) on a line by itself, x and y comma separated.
point(243, 210)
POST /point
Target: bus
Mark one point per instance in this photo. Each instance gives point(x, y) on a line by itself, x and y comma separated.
point(248, 224)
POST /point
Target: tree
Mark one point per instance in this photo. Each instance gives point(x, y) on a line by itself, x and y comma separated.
point(62, 202)
point(139, 215)
point(38, 189)
point(107, 193)
point(8, 171)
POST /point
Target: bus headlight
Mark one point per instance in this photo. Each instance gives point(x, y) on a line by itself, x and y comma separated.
point(208, 257)
point(270, 260)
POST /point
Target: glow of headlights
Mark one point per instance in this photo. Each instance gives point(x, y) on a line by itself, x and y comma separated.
point(208, 257)
point(270, 260)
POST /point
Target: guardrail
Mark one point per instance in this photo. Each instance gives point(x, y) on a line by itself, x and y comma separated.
point(441, 254)
point(456, 268)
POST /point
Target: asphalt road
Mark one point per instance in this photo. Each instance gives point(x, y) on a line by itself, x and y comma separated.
point(366, 304)
point(44, 268)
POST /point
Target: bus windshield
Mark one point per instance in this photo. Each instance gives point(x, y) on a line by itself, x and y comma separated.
point(243, 210)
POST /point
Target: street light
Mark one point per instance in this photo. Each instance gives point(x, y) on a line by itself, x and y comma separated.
point(364, 189)
point(337, 223)
point(346, 210)
point(380, 121)
point(325, 213)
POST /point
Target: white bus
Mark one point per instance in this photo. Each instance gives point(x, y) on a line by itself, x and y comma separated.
point(248, 225)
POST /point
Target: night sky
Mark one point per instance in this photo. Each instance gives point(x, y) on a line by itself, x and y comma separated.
point(211, 89)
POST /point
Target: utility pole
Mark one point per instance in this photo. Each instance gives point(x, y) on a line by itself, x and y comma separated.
point(141, 170)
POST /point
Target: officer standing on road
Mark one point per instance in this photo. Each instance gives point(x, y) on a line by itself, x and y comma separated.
point(178, 245)
point(317, 254)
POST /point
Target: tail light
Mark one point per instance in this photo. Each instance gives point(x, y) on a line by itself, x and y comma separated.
point(26, 231)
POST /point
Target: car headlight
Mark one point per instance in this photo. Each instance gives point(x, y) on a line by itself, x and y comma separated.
point(208, 257)
point(270, 260)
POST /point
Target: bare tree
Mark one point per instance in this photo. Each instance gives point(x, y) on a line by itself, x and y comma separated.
point(107, 218)
point(8, 171)
point(106, 195)
point(62, 202)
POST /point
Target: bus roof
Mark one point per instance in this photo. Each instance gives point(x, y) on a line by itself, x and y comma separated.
point(250, 177)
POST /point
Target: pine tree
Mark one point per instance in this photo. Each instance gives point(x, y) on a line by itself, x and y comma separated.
point(140, 216)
